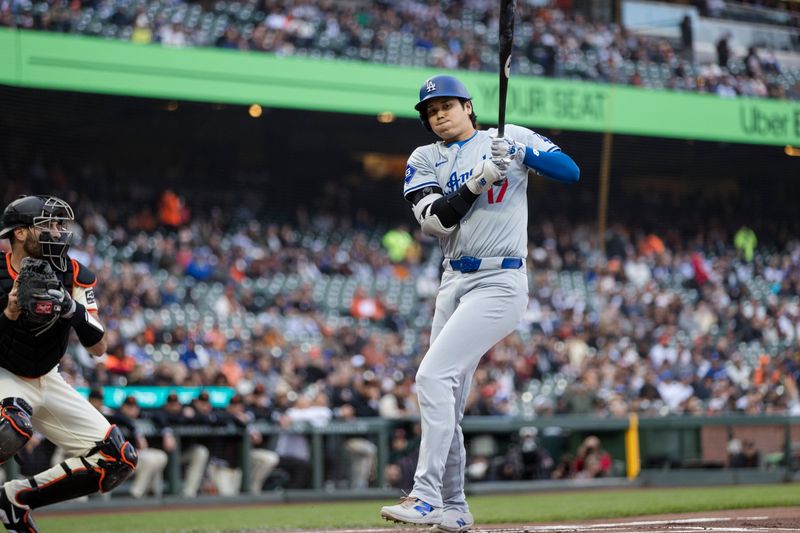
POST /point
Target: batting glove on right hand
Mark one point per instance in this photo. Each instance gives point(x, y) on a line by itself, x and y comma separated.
point(485, 176)
point(505, 151)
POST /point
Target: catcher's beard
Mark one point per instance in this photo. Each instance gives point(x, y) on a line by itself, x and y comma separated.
point(31, 245)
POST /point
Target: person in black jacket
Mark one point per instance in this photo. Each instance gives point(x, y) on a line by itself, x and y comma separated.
point(194, 455)
point(33, 395)
point(149, 475)
point(225, 472)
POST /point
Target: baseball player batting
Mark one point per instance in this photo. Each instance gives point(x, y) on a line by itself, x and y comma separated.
point(470, 191)
point(44, 294)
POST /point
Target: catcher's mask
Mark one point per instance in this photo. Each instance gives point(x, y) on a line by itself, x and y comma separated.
point(42, 212)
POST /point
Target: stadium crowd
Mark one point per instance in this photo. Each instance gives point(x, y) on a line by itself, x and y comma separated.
point(660, 322)
point(699, 319)
point(552, 41)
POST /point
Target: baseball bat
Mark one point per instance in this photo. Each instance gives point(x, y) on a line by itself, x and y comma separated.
point(507, 8)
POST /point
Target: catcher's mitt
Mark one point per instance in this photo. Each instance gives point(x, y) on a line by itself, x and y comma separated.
point(38, 307)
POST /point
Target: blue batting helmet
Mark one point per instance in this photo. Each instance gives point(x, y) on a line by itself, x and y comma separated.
point(436, 87)
point(441, 86)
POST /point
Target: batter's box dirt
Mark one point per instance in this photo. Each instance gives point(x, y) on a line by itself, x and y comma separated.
point(783, 519)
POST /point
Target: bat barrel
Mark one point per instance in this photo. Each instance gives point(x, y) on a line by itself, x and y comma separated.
point(506, 29)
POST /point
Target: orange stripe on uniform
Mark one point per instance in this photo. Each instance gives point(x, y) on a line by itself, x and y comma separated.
point(76, 268)
point(11, 271)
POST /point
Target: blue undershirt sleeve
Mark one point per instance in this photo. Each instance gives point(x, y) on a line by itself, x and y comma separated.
point(554, 165)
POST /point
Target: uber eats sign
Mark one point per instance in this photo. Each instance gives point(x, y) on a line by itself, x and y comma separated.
point(55, 61)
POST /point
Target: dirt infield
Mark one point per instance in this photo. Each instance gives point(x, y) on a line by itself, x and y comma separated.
point(741, 520)
point(780, 519)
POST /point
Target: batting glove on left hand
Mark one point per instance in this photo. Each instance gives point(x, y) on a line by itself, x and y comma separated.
point(505, 151)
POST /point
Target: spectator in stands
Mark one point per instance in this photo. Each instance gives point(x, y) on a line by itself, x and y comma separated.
point(743, 454)
point(225, 472)
point(649, 389)
point(293, 447)
point(564, 468)
point(203, 413)
point(591, 460)
point(397, 242)
point(142, 34)
point(398, 401)
point(194, 456)
point(526, 458)
point(173, 34)
point(151, 478)
point(687, 38)
point(171, 210)
point(366, 306)
point(745, 241)
point(724, 51)
point(353, 396)
point(403, 456)
point(231, 39)
point(752, 63)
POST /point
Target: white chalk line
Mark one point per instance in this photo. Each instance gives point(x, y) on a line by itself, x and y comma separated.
point(682, 525)
point(611, 525)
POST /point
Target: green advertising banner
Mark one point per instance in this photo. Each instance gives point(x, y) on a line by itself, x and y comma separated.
point(56, 61)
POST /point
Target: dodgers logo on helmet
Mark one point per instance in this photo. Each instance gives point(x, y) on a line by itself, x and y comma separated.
point(440, 86)
point(410, 171)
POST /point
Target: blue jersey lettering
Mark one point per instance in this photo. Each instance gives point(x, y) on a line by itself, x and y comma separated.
point(452, 182)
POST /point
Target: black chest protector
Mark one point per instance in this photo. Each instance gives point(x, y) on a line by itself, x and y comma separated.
point(21, 352)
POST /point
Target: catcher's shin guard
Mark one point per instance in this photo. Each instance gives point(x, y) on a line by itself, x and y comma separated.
point(15, 427)
point(105, 466)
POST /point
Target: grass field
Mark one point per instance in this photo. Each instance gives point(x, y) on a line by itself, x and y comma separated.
point(517, 508)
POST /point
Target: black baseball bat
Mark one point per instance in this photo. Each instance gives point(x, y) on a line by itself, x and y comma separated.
point(507, 8)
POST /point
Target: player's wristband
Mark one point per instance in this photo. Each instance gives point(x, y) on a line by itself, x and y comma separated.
point(89, 330)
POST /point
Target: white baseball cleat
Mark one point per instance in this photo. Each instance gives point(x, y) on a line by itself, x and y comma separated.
point(454, 521)
point(412, 510)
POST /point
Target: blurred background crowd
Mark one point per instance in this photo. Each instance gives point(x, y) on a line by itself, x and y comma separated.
point(325, 317)
point(671, 48)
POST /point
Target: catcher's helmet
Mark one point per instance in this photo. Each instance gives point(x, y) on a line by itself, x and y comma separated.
point(42, 212)
point(436, 87)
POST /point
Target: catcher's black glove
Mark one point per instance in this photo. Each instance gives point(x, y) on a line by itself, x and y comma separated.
point(41, 296)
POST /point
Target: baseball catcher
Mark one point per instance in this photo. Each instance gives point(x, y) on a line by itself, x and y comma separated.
point(44, 295)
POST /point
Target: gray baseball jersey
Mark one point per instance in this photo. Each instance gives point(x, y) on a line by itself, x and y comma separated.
point(497, 224)
point(474, 310)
